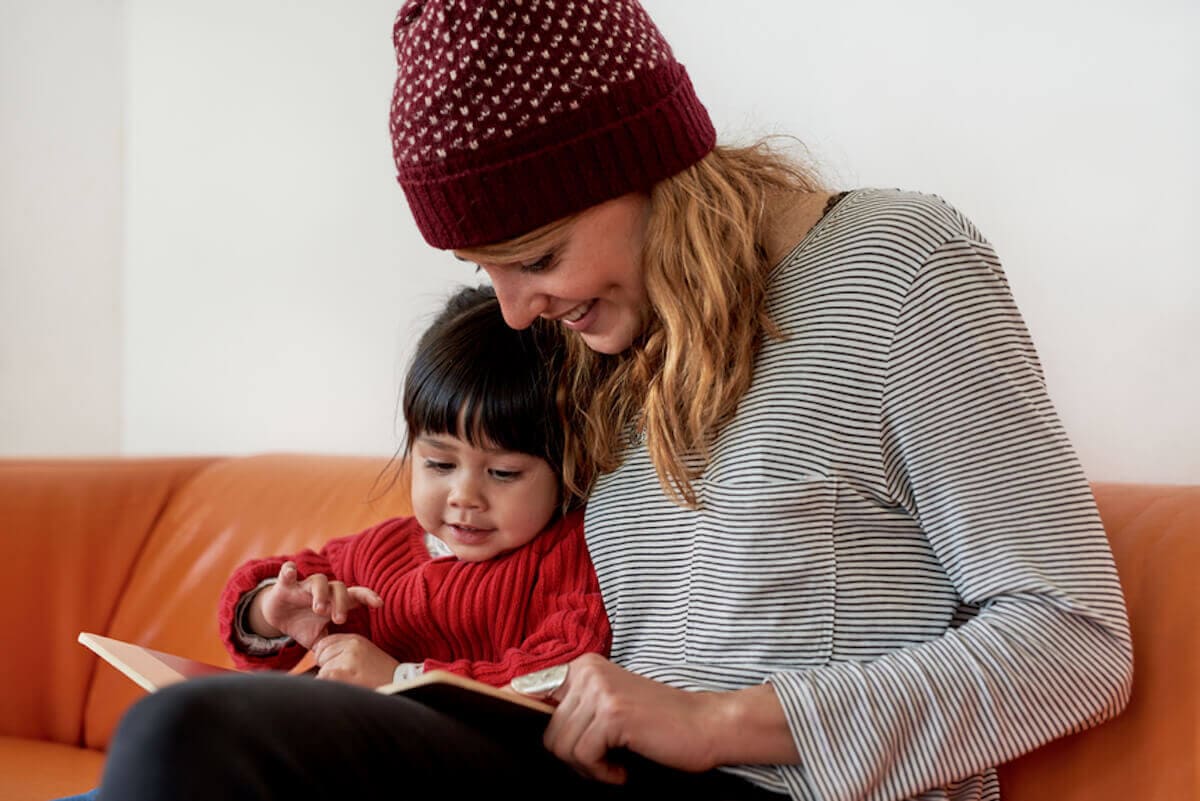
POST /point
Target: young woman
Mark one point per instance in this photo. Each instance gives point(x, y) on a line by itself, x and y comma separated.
point(845, 546)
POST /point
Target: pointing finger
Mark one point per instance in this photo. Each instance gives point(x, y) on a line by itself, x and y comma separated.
point(365, 595)
point(287, 574)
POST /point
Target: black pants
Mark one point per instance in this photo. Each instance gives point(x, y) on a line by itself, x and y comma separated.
point(284, 737)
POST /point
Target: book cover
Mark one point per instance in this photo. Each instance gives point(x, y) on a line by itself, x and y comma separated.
point(466, 699)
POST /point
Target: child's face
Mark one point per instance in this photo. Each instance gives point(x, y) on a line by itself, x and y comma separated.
point(480, 502)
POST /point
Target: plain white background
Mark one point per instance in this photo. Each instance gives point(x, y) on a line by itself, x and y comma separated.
point(203, 250)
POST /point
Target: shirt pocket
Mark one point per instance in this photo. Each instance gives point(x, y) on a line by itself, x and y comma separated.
point(763, 574)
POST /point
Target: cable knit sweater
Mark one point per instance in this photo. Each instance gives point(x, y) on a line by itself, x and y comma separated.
point(528, 609)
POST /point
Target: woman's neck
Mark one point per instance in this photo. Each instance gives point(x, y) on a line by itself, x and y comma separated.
point(790, 215)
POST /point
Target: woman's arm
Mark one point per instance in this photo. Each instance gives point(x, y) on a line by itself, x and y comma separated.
point(603, 707)
point(975, 453)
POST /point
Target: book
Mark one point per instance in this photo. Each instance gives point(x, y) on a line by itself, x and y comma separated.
point(466, 699)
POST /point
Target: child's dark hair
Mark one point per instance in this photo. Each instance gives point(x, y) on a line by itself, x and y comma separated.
point(475, 378)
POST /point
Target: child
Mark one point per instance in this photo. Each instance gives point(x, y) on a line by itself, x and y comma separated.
point(487, 579)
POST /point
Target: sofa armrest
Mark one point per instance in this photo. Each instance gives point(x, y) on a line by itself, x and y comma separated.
point(71, 532)
point(1150, 750)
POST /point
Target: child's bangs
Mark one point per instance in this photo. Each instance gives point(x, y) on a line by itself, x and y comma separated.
point(483, 410)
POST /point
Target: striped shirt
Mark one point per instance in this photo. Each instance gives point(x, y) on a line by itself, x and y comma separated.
point(894, 531)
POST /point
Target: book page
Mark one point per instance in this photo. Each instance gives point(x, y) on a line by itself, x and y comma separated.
point(149, 669)
point(152, 670)
point(476, 703)
point(468, 700)
point(445, 677)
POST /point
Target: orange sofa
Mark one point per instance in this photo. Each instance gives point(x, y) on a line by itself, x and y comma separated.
point(138, 549)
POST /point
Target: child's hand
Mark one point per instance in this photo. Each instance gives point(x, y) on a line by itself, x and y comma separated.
point(353, 659)
point(304, 609)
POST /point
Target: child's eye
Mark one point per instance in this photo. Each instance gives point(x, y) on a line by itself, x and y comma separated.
point(538, 266)
point(505, 475)
point(438, 467)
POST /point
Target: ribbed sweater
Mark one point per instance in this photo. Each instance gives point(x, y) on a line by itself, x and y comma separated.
point(528, 609)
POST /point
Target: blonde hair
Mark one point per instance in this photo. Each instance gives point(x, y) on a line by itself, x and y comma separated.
point(706, 274)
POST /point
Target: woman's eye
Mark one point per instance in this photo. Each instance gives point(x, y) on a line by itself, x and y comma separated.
point(438, 467)
point(537, 266)
point(506, 475)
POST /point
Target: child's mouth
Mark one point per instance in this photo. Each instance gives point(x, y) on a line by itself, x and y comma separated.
point(469, 535)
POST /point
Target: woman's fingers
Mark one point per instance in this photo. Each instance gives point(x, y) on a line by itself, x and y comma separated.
point(567, 728)
point(578, 733)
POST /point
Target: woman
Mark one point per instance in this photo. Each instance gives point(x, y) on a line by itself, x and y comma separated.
point(845, 546)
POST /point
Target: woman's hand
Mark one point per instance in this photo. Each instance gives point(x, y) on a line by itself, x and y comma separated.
point(353, 659)
point(303, 610)
point(602, 707)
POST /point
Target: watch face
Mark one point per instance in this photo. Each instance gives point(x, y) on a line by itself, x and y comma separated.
point(541, 683)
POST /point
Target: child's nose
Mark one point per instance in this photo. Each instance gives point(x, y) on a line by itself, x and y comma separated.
point(466, 493)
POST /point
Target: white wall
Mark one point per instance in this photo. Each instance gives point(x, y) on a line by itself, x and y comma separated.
point(1067, 131)
point(60, 226)
point(272, 281)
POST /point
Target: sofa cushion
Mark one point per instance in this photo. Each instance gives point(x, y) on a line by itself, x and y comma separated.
point(1150, 751)
point(37, 770)
point(73, 529)
point(232, 511)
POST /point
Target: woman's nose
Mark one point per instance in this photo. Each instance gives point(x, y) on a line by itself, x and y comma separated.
point(520, 302)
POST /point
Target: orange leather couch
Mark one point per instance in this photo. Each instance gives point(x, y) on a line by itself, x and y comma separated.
point(138, 549)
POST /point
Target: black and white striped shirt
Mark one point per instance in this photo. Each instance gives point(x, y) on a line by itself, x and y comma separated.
point(894, 531)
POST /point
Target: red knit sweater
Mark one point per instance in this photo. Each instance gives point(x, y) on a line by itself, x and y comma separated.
point(525, 610)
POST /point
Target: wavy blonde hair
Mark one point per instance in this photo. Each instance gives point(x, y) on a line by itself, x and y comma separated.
point(706, 273)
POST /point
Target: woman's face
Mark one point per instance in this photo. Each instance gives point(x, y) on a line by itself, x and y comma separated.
point(589, 279)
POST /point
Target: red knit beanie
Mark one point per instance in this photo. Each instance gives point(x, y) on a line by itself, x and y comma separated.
point(510, 114)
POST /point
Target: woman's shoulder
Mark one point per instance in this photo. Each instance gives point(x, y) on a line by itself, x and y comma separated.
point(862, 259)
point(902, 213)
point(874, 234)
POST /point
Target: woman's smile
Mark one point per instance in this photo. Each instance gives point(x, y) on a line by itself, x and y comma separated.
point(577, 319)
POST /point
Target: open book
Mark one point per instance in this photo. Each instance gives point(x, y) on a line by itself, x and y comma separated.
point(463, 698)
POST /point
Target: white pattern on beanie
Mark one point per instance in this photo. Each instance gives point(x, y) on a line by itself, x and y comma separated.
point(473, 72)
point(508, 114)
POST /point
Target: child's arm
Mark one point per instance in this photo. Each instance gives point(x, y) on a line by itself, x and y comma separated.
point(353, 659)
point(304, 609)
point(293, 598)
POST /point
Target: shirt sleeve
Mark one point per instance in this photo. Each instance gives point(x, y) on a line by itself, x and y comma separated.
point(567, 618)
point(976, 454)
point(247, 641)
